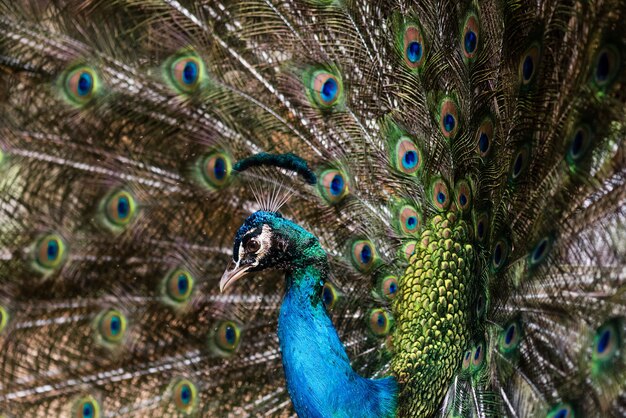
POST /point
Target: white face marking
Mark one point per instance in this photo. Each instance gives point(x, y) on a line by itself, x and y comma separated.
point(264, 239)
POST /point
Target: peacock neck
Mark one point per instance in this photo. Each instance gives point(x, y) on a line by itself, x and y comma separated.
point(432, 312)
point(319, 376)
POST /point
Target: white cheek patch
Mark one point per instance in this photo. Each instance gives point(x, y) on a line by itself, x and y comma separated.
point(241, 252)
point(265, 239)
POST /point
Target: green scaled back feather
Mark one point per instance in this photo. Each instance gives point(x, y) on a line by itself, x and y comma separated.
point(471, 190)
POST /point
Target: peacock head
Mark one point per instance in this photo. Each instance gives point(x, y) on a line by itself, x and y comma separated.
point(267, 241)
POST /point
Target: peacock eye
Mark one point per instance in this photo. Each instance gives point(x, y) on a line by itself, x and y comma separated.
point(184, 395)
point(413, 47)
point(80, 85)
point(528, 64)
point(49, 252)
point(119, 209)
point(561, 411)
point(179, 285)
point(186, 73)
point(470, 37)
point(484, 137)
point(215, 169)
point(227, 337)
point(448, 118)
point(112, 326)
point(326, 89)
point(86, 407)
point(607, 64)
point(252, 246)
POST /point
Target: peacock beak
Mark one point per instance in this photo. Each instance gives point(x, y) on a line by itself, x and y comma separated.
point(233, 272)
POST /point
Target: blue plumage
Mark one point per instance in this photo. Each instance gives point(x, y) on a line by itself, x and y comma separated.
point(319, 376)
point(316, 363)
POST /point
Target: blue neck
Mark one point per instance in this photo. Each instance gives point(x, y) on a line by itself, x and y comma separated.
point(320, 380)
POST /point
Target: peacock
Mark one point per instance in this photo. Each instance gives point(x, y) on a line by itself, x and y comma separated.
point(313, 208)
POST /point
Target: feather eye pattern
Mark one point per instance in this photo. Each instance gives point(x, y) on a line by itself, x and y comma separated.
point(80, 85)
point(49, 253)
point(185, 72)
point(463, 167)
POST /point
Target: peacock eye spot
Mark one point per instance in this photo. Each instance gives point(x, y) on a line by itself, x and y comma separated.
point(607, 343)
point(227, 337)
point(184, 395)
point(85, 84)
point(230, 334)
point(561, 411)
point(49, 252)
point(520, 163)
point(607, 65)
point(510, 337)
point(577, 144)
point(219, 169)
point(86, 407)
point(179, 286)
point(185, 73)
point(80, 85)
point(366, 254)
point(380, 322)
point(408, 220)
point(510, 333)
point(471, 33)
point(88, 410)
point(483, 143)
point(439, 194)
point(408, 159)
point(190, 73)
point(517, 167)
point(528, 67)
point(481, 229)
point(413, 47)
point(215, 169)
point(499, 254)
point(479, 355)
point(388, 287)
point(480, 304)
point(528, 64)
point(336, 185)
point(52, 250)
point(448, 118)
point(449, 122)
point(604, 341)
point(414, 51)
point(330, 295)
point(325, 88)
point(333, 185)
point(363, 255)
point(112, 326)
point(470, 41)
point(603, 67)
point(119, 209)
point(329, 91)
point(327, 296)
